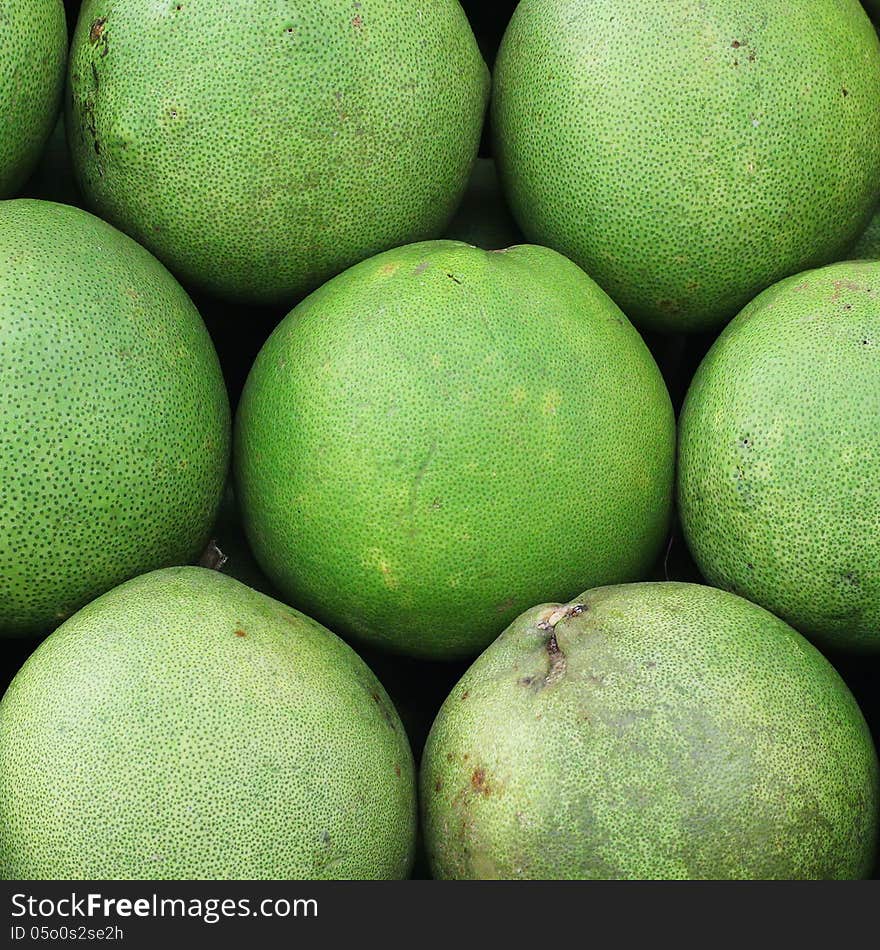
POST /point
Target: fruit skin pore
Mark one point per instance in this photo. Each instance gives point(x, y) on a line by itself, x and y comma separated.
point(779, 455)
point(184, 726)
point(686, 175)
point(442, 435)
point(33, 52)
point(260, 147)
point(114, 418)
point(649, 731)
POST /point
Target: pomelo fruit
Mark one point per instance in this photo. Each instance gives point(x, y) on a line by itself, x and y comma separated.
point(779, 459)
point(114, 421)
point(442, 435)
point(483, 218)
point(658, 730)
point(184, 726)
point(687, 155)
point(33, 51)
point(259, 147)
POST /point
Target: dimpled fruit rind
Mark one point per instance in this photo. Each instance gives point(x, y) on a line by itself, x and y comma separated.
point(687, 155)
point(443, 435)
point(262, 146)
point(114, 420)
point(779, 462)
point(33, 51)
point(184, 726)
point(650, 731)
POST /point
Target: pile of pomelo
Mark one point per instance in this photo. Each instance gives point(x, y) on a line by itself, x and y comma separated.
point(470, 456)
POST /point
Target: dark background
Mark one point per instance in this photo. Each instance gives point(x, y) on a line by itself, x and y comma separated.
point(418, 688)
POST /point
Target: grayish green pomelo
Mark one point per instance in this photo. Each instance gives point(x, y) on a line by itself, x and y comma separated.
point(779, 458)
point(33, 51)
point(688, 154)
point(442, 435)
point(260, 147)
point(185, 726)
point(650, 731)
point(114, 420)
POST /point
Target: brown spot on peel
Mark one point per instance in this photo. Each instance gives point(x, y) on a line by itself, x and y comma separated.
point(97, 30)
point(478, 782)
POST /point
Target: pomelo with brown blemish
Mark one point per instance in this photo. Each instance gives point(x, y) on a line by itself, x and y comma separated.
point(650, 731)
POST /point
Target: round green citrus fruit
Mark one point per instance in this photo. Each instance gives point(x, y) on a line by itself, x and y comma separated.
point(779, 461)
point(114, 421)
point(259, 147)
point(650, 731)
point(184, 726)
point(442, 435)
point(687, 155)
point(33, 51)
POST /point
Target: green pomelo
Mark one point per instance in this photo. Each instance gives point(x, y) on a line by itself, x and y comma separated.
point(483, 218)
point(184, 726)
point(114, 421)
point(779, 461)
point(650, 731)
point(442, 435)
point(687, 155)
point(260, 147)
point(33, 51)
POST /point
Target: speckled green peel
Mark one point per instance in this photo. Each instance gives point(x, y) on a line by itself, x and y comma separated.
point(114, 419)
point(650, 731)
point(689, 154)
point(184, 726)
point(779, 461)
point(260, 147)
point(442, 435)
point(33, 51)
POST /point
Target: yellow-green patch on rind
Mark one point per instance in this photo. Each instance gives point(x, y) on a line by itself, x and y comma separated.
point(779, 457)
point(656, 731)
point(185, 726)
point(114, 420)
point(443, 435)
